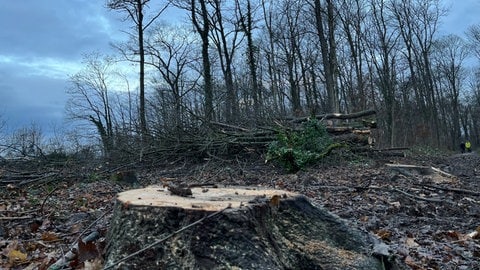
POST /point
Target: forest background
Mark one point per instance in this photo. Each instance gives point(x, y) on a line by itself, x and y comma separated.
point(251, 63)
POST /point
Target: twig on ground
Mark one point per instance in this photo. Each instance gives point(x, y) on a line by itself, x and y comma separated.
point(46, 198)
point(418, 197)
point(37, 179)
point(443, 173)
point(457, 190)
point(15, 218)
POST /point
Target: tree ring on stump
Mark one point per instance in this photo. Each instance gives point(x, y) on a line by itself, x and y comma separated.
point(208, 199)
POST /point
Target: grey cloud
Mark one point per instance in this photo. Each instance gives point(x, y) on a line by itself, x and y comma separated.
point(44, 117)
point(27, 100)
point(42, 42)
point(55, 28)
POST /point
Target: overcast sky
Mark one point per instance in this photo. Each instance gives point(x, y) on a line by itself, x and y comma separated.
point(42, 43)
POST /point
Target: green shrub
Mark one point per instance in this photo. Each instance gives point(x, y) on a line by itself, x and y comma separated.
point(297, 149)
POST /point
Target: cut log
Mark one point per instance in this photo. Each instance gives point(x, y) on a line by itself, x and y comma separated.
point(405, 169)
point(353, 139)
point(337, 116)
point(232, 228)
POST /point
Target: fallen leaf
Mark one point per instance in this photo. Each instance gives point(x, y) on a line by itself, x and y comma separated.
point(453, 235)
point(410, 242)
point(383, 234)
point(35, 225)
point(75, 228)
point(87, 251)
point(16, 256)
point(49, 237)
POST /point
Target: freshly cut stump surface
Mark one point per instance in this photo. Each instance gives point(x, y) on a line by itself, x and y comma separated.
point(255, 229)
point(208, 199)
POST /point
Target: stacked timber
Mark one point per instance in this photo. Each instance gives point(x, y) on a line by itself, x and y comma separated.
point(354, 129)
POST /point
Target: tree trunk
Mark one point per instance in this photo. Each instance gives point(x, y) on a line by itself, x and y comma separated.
point(141, 50)
point(203, 29)
point(247, 25)
point(231, 228)
point(325, 31)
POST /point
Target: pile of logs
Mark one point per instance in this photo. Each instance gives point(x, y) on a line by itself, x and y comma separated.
point(354, 129)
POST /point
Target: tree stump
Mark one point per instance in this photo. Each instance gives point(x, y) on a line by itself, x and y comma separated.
point(242, 228)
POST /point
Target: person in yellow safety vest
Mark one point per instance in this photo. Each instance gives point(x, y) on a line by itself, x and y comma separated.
point(468, 146)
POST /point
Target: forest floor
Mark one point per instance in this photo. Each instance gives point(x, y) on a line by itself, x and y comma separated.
point(430, 221)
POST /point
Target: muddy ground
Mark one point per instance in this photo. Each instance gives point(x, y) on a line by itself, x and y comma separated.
point(430, 218)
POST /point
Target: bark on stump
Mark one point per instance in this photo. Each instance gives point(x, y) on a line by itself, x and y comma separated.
point(260, 229)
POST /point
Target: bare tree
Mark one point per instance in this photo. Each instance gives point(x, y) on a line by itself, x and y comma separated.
point(225, 35)
point(290, 43)
point(90, 97)
point(472, 104)
point(285, 32)
point(169, 51)
point(25, 142)
point(201, 23)
point(473, 37)
point(135, 10)
point(450, 53)
point(352, 15)
point(247, 24)
point(383, 43)
point(418, 22)
point(269, 52)
point(326, 26)
point(3, 124)
point(303, 57)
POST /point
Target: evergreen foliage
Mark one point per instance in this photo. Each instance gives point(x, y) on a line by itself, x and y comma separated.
point(295, 149)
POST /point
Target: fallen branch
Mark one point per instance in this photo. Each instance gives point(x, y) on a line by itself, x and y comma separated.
point(390, 152)
point(402, 168)
point(457, 190)
point(46, 198)
point(418, 197)
point(232, 127)
point(37, 179)
point(15, 218)
point(443, 173)
point(391, 149)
